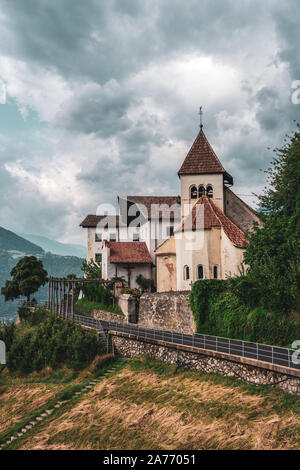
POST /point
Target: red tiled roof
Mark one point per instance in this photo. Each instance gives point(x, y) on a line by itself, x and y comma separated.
point(152, 201)
point(93, 220)
point(213, 217)
point(129, 253)
point(201, 159)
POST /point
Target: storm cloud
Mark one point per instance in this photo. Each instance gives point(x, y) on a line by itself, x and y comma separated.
point(109, 93)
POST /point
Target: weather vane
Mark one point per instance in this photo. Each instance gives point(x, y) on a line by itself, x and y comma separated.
point(200, 114)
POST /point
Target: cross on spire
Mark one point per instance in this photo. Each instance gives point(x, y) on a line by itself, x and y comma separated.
point(200, 114)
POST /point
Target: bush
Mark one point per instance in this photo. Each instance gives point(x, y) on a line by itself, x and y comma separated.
point(203, 294)
point(86, 307)
point(224, 310)
point(97, 293)
point(51, 341)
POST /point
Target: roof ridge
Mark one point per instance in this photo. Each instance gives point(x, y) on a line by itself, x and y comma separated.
point(215, 209)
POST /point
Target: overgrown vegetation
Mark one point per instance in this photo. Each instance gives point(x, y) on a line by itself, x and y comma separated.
point(262, 303)
point(41, 340)
point(86, 307)
point(218, 310)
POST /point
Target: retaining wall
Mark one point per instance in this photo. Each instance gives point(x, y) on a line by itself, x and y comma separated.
point(246, 369)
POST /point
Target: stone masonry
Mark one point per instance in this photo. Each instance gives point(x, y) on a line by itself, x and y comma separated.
point(167, 310)
point(209, 361)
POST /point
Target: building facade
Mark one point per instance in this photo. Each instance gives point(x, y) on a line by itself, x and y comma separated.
point(176, 240)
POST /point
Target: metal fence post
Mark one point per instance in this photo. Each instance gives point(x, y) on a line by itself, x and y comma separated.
point(217, 343)
point(257, 351)
point(229, 346)
point(204, 337)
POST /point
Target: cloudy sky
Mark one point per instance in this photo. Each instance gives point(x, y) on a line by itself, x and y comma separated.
point(102, 99)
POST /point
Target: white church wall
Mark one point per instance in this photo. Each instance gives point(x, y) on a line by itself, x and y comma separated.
point(215, 180)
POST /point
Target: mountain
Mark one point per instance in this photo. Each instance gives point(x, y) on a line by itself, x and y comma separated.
point(10, 241)
point(14, 247)
point(55, 247)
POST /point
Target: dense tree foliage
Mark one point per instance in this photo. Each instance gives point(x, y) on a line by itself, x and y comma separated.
point(273, 254)
point(27, 277)
point(45, 340)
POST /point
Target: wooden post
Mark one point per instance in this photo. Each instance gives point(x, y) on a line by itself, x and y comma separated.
point(49, 284)
point(73, 299)
point(52, 294)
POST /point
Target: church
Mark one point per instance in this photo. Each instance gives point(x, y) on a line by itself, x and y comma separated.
point(175, 240)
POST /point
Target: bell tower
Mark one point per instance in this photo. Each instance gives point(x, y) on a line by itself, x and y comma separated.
point(202, 174)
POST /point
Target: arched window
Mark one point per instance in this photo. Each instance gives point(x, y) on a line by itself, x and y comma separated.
point(193, 192)
point(209, 191)
point(186, 272)
point(201, 190)
point(200, 271)
point(216, 272)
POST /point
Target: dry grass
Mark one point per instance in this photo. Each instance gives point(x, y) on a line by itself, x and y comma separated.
point(141, 408)
point(19, 401)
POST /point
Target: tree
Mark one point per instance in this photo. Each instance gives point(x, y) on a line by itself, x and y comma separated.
point(91, 269)
point(27, 277)
point(273, 254)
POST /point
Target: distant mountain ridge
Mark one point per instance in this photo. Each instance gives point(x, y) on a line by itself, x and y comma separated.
point(14, 247)
point(11, 241)
point(55, 247)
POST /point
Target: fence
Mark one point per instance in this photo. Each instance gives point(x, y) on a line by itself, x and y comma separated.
point(288, 358)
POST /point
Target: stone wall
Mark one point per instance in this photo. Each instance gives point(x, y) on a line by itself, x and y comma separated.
point(128, 305)
point(208, 361)
point(108, 316)
point(168, 310)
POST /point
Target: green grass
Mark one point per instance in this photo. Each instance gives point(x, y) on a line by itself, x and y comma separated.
point(85, 307)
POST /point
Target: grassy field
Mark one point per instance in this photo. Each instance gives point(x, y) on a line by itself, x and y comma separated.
point(151, 405)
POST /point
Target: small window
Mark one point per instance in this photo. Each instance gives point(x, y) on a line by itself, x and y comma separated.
point(209, 191)
point(200, 272)
point(193, 192)
point(170, 231)
point(98, 258)
point(201, 190)
point(98, 237)
point(136, 237)
point(186, 273)
point(112, 237)
point(216, 272)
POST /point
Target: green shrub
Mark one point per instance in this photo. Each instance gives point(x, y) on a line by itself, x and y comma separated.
point(203, 294)
point(86, 307)
point(97, 293)
point(51, 341)
point(222, 312)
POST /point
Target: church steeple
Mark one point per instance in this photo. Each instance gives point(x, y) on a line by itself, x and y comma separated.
point(201, 159)
point(202, 174)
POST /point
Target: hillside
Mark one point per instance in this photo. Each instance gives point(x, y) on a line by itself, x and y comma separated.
point(55, 247)
point(9, 241)
point(12, 248)
point(149, 405)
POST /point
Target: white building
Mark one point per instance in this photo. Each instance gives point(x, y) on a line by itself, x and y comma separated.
point(176, 240)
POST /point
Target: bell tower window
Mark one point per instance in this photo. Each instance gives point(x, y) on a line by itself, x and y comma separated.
point(209, 191)
point(201, 190)
point(193, 192)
